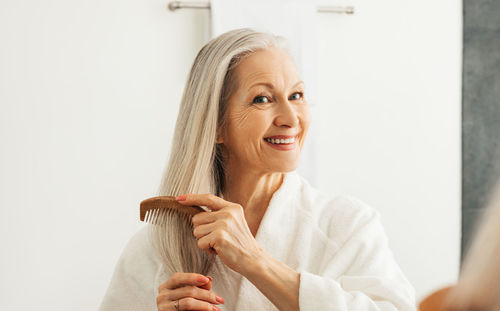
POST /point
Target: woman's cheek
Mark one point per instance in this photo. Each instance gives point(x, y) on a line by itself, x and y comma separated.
point(240, 118)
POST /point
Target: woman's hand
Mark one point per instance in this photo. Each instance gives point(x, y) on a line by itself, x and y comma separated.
point(224, 231)
point(187, 291)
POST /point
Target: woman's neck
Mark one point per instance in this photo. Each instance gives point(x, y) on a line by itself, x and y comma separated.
point(251, 190)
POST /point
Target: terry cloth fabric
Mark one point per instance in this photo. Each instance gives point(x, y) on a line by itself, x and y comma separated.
point(336, 243)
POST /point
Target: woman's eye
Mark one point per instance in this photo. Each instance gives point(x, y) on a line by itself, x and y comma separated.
point(293, 97)
point(260, 100)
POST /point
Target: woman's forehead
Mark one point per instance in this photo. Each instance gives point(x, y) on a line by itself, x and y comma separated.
point(271, 66)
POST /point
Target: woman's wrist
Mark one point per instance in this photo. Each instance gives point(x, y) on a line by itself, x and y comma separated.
point(277, 281)
point(253, 261)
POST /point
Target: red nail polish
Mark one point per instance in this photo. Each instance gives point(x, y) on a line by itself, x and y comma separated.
point(210, 278)
point(219, 299)
point(181, 197)
point(202, 279)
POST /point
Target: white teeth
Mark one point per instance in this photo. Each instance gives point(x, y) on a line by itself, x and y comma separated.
point(280, 141)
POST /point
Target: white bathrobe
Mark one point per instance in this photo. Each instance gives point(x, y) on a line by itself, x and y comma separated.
point(336, 243)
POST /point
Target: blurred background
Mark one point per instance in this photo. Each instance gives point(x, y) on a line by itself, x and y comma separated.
point(89, 94)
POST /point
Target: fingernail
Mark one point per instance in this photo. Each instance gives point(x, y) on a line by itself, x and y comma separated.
point(202, 279)
point(219, 299)
point(215, 308)
point(208, 276)
point(181, 197)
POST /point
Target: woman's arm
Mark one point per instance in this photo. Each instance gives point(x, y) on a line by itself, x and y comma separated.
point(360, 273)
point(277, 281)
point(370, 279)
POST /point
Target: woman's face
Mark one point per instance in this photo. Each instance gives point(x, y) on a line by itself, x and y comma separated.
point(267, 107)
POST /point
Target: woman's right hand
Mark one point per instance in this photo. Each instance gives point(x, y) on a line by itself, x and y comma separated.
point(187, 291)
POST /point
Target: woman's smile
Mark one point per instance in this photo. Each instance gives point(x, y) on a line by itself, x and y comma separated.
point(281, 142)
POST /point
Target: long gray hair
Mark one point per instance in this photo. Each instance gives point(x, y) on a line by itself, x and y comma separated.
point(196, 163)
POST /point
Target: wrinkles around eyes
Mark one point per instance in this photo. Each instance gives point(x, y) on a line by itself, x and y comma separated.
point(240, 117)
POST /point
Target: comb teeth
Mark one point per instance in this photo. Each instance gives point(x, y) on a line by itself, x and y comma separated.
point(155, 209)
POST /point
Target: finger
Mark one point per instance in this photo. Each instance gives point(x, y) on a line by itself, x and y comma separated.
point(209, 200)
point(186, 304)
point(200, 231)
point(163, 294)
point(207, 244)
point(194, 304)
point(179, 279)
point(204, 218)
point(194, 292)
point(207, 286)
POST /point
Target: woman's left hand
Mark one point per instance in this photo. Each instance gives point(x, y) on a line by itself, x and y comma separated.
point(224, 230)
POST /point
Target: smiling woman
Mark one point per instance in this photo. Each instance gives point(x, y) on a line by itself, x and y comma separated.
point(267, 117)
point(271, 240)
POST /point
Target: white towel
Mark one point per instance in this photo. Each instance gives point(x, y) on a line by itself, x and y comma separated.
point(294, 20)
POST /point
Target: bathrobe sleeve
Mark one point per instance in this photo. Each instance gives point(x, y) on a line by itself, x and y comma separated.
point(359, 274)
point(131, 287)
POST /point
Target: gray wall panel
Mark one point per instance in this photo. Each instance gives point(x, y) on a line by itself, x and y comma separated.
point(481, 109)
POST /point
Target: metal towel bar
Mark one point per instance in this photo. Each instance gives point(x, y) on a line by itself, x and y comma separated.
point(174, 5)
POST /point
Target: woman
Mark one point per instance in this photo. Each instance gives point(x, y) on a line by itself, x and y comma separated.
point(280, 243)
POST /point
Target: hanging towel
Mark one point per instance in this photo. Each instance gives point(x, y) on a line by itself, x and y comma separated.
point(294, 20)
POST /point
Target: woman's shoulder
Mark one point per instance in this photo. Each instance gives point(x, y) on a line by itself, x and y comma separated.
point(335, 214)
point(321, 204)
point(133, 280)
point(139, 253)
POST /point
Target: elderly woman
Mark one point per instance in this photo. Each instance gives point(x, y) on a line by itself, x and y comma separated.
point(279, 243)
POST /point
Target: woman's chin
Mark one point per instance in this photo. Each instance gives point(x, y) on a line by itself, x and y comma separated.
point(285, 166)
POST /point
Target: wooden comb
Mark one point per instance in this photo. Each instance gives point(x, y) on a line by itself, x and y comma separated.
point(152, 208)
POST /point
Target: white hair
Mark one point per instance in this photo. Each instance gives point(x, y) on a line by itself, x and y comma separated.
point(196, 164)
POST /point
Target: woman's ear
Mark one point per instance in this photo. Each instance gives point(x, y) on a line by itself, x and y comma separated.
point(219, 139)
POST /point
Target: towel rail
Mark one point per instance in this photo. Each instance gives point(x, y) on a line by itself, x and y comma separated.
point(174, 5)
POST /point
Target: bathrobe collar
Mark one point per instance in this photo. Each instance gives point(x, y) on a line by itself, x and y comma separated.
point(272, 226)
point(278, 207)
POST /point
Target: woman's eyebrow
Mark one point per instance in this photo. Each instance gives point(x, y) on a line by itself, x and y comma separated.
point(299, 82)
point(271, 86)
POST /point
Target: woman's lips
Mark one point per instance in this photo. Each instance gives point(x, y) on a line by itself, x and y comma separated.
point(283, 147)
point(282, 137)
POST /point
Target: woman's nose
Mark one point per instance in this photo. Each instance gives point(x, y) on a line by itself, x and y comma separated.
point(286, 115)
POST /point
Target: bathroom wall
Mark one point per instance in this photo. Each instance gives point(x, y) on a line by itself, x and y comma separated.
point(390, 124)
point(89, 93)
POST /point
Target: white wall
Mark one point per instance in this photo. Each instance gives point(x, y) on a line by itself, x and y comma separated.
point(390, 120)
point(89, 93)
